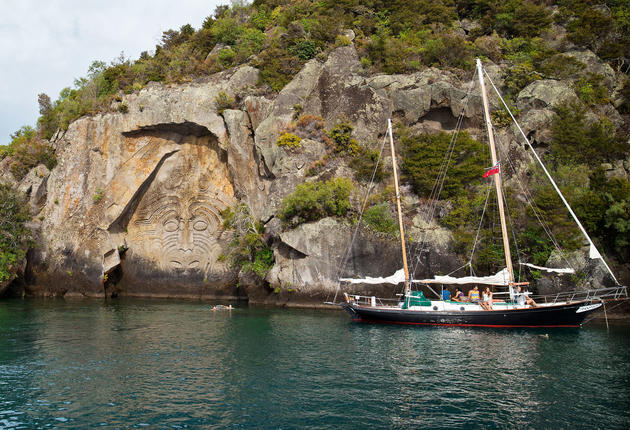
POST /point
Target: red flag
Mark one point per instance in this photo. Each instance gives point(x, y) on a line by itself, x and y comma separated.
point(492, 170)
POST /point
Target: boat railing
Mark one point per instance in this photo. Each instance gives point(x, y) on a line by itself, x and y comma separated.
point(612, 293)
point(372, 300)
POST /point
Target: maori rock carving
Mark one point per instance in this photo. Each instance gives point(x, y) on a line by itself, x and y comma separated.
point(177, 224)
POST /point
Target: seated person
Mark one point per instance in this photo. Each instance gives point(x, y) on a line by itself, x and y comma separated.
point(446, 294)
point(487, 299)
point(522, 298)
point(473, 295)
point(459, 296)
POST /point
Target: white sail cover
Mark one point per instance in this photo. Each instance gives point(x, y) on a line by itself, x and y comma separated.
point(396, 278)
point(549, 269)
point(501, 278)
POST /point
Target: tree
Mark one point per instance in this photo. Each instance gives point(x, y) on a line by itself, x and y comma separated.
point(15, 237)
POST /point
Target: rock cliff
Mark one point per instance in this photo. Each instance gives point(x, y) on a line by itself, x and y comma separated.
point(133, 206)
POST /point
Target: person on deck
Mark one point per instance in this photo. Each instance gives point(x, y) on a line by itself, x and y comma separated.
point(473, 295)
point(446, 294)
point(459, 296)
point(522, 298)
point(487, 299)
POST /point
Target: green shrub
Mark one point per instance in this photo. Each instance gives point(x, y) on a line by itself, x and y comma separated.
point(502, 118)
point(617, 218)
point(304, 49)
point(342, 40)
point(277, 66)
point(15, 237)
point(590, 27)
point(248, 251)
point(561, 66)
point(223, 101)
point(98, 195)
point(518, 77)
point(226, 56)
point(447, 50)
point(423, 155)
point(380, 220)
point(364, 163)
point(591, 90)
point(342, 141)
point(312, 201)
point(289, 141)
point(27, 151)
point(226, 30)
point(575, 141)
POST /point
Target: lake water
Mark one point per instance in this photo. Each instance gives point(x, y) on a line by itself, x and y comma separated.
point(158, 364)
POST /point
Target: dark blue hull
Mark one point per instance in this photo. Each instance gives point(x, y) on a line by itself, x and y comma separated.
point(549, 316)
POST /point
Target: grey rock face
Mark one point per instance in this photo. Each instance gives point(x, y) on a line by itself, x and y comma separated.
point(544, 94)
point(594, 65)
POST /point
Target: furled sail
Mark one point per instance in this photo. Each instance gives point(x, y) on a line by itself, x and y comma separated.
point(501, 278)
point(549, 269)
point(396, 278)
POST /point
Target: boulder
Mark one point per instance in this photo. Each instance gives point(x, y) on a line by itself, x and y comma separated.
point(594, 65)
point(544, 94)
point(310, 258)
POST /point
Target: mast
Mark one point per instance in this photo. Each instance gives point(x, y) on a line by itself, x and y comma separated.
point(497, 176)
point(400, 221)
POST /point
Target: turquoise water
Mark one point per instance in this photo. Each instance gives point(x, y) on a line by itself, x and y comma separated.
point(157, 364)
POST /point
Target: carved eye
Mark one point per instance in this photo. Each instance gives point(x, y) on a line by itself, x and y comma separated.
point(200, 225)
point(171, 225)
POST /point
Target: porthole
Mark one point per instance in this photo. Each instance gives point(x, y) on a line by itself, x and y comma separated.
point(435, 308)
point(461, 309)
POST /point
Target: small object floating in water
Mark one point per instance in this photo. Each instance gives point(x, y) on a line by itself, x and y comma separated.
point(222, 308)
point(545, 336)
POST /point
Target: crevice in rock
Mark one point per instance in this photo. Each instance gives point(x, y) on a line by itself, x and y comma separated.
point(185, 128)
point(442, 115)
point(258, 158)
point(262, 166)
point(268, 219)
point(114, 276)
point(180, 133)
point(288, 252)
point(120, 224)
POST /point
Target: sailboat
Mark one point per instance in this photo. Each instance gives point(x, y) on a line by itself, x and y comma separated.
point(515, 309)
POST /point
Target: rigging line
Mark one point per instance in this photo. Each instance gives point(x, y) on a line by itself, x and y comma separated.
point(445, 162)
point(458, 269)
point(518, 251)
point(354, 235)
point(590, 241)
point(435, 193)
point(472, 252)
point(540, 217)
point(537, 213)
point(505, 156)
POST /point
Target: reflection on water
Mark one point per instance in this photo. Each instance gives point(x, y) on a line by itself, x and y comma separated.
point(175, 365)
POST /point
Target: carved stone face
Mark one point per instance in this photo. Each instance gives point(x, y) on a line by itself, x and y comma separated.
point(177, 223)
